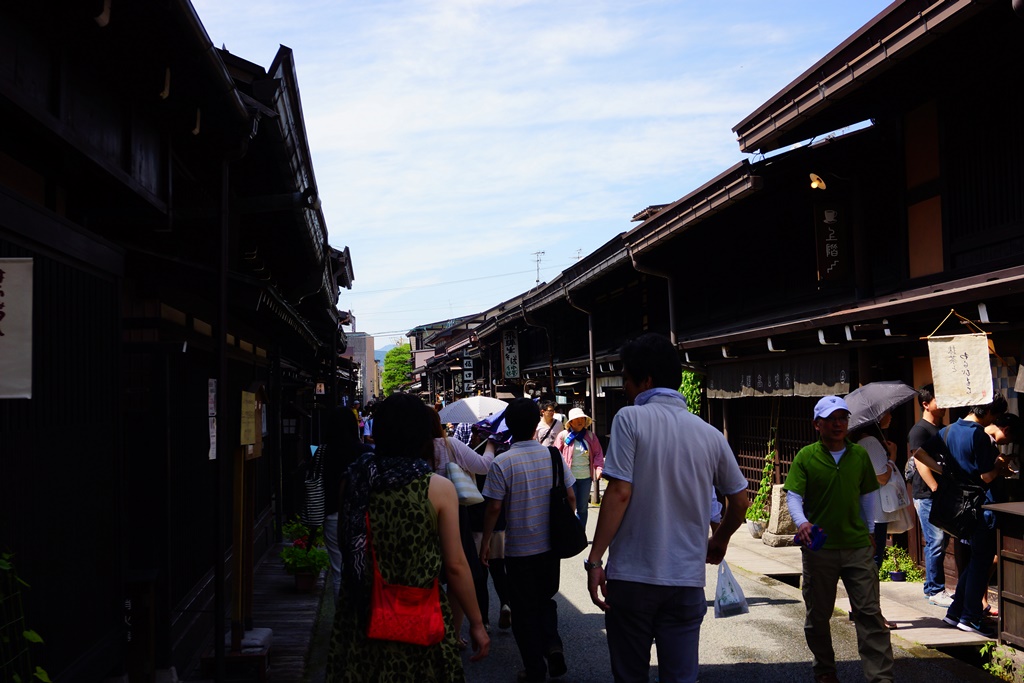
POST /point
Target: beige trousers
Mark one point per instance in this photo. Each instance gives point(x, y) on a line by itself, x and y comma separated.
point(822, 570)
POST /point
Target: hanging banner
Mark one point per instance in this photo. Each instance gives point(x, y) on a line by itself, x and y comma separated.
point(961, 372)
point(510, 353)
point(15, 328)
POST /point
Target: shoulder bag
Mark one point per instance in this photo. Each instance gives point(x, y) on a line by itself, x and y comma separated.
point(465, 485)
point(405, 614)
point(956, 505)
point(894, 493)
point(315, 503)
point(568, 538)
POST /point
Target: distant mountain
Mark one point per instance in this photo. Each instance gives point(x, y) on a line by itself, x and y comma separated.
point(378, 354)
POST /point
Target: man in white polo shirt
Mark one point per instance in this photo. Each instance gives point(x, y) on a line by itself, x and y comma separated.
point(521, 479)
point(662, 464)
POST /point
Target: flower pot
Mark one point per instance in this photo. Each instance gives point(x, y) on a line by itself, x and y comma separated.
point(305, 581)
point(756, 528)
point(897, 576)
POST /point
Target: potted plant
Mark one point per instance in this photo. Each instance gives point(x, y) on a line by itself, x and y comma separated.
point(305, 557)
point(760, 509)
point(17, 641)
point(897, 565)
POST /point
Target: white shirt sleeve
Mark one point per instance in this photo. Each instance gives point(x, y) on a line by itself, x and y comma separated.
point(796, 508)
point(469, 459)
point(867, 509)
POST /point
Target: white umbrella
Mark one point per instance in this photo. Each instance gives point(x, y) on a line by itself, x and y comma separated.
point(472, 409)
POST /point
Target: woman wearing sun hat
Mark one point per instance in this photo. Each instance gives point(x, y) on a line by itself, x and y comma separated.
point(583, 454)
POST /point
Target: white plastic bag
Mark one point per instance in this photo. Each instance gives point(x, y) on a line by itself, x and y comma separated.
point(729, 599)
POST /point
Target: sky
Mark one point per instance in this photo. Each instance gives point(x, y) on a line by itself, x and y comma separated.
point(453, 140)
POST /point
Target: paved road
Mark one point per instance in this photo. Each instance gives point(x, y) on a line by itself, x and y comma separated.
point(766, 645)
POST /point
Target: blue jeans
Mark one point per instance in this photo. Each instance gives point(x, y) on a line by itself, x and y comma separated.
point(973, 581)
point(333, 550)
point(582, 490)
point(642, 613)
point(934, 549)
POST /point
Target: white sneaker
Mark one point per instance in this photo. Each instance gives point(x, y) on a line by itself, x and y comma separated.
point(942, 599)
point(505, 617)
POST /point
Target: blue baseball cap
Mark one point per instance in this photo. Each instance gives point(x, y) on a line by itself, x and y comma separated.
point(828, 405)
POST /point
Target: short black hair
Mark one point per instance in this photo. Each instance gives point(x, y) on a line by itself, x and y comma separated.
point(521, 417)
point(653, 355)
point(997, 407)
point(403, 426)
point(1009, 423)
point(926, 393)
point(544, 405)
point(339, 427)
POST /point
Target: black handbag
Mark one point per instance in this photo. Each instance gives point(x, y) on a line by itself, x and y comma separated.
point(956, 504)
point(568, 537)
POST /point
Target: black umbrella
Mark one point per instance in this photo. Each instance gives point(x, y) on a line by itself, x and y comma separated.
point(871, 401)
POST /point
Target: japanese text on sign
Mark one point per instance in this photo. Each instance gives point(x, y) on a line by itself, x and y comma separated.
point(510, 352)
point(960, 370)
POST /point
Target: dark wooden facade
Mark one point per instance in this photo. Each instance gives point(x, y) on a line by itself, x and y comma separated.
point(913, 124)
point(165, 193)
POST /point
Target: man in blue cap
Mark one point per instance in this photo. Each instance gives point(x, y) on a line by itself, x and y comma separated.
point(832, 485)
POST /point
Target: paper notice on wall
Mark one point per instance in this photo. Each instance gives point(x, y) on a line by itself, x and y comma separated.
point(961, 372)
point(15, 328)
point(1018, 385)
point(247, 435)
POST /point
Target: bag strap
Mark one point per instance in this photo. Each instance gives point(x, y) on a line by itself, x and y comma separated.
point(451, 454)
point(369, 544)
point(556, 467)
point(548, 433)
point(318, 461)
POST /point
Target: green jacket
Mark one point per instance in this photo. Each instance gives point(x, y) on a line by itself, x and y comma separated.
point(832, 491)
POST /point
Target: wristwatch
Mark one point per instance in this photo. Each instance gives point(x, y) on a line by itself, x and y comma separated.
point(588, 565)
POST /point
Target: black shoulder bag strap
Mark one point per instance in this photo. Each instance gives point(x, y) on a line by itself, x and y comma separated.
point(556, 468)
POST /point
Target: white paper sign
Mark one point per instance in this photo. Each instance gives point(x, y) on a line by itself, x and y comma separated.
point(15, 328)
point(960, 370)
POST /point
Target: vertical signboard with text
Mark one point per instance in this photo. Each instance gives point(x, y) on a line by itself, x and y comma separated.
point(15, 328)
point(832, 244)
point(510, 354)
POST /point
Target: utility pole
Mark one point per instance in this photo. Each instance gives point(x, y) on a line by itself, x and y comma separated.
point(538, 254)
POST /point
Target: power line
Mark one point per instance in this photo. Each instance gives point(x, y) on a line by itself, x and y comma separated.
point(454, 282)
point(439, 284)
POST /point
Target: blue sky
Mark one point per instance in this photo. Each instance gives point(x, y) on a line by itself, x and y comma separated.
point(453, 139)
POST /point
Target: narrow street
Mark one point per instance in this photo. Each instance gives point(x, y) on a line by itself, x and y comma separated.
point(766, 645)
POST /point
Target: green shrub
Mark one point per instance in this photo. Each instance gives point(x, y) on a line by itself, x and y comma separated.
point(898, 560)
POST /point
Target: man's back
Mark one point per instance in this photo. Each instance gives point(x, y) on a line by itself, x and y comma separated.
point(673, 459)
point(522, 477)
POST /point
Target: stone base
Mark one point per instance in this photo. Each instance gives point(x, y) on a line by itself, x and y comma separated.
point(777, 540)
point(780, 522)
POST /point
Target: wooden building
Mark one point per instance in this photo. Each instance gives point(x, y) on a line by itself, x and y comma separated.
point(780, 292)
point(163, 194)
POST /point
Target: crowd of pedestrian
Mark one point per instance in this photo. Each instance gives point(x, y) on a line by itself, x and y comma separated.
point(395, 513)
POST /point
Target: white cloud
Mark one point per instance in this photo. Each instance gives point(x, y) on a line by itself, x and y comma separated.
point(453, 138)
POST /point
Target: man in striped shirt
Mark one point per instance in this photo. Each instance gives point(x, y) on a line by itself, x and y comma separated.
point(521, 480)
